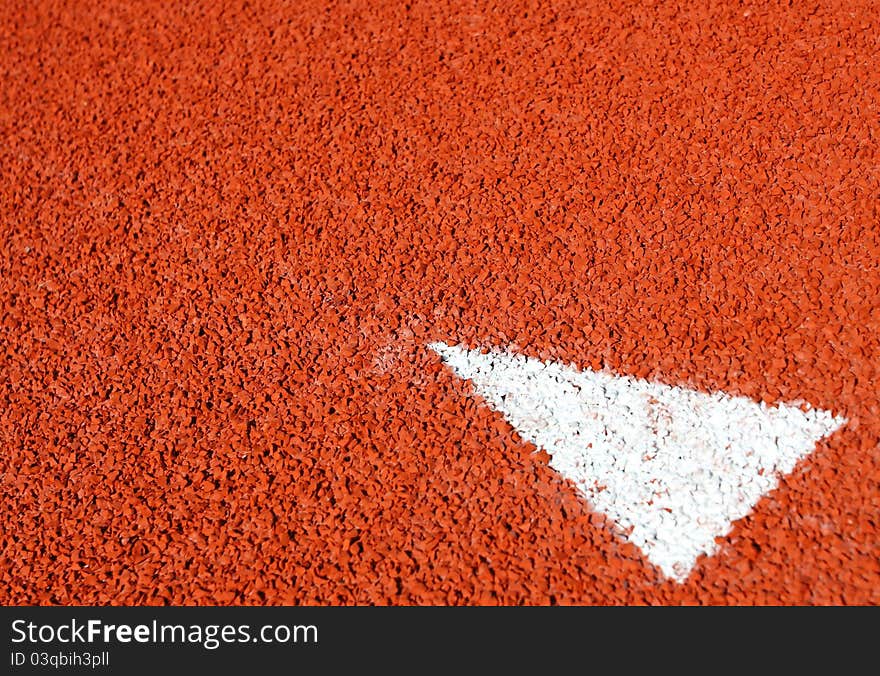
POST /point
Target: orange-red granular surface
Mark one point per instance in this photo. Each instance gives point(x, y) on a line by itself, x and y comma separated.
point(229, 230)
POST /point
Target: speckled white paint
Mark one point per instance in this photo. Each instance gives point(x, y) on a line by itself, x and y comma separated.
point(673, 467)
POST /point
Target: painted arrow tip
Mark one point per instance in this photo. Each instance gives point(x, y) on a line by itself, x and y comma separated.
point(673, 467)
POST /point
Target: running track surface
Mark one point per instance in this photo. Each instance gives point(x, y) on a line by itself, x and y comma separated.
point(229, 231)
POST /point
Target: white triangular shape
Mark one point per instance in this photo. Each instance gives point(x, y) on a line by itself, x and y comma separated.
point(673, 467)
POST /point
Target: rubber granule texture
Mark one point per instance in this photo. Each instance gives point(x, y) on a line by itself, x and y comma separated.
point(229, 231)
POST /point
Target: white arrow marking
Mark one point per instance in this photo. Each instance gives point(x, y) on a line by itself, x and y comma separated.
point(673, 467)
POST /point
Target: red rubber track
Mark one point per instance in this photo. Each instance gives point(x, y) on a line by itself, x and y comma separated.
point(228, 231)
